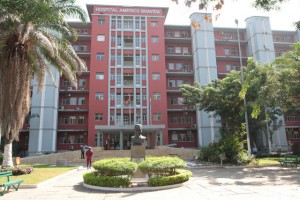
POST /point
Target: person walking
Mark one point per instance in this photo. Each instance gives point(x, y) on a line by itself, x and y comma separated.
point(82, 149)
point(89, 154)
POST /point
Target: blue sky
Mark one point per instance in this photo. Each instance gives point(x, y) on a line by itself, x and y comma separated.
point(234, 9)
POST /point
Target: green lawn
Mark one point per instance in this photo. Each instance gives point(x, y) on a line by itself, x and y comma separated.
point(42, 172)
point(266, 161)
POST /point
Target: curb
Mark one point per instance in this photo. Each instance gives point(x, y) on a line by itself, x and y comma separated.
point(135, 189)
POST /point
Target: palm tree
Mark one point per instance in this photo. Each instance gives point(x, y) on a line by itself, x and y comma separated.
point(34, 37)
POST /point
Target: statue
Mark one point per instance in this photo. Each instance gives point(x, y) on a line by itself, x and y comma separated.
point(138, 139)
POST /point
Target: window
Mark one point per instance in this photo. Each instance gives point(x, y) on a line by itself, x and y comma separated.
point(79, 139)
point(137, 60)
point(179, 66)
point(174, 136)
point(101, 21)
point(173, 101)
point(177, 49)
point(137, 79)
point(171, 83)
point(171, 49)
point(190, 137)
point(154, 23)
point(73, 101)
point(99, 96)
point(100, 38)
point(144, 117)
point(66, 83)
point(65, 101)
point(179, 83)
point(233, 51)
point(226, 51)
point(80, 120)
point(137, 42)
point(228, 67)
point(155, 57)
point(156, 96)
point(81, 82)
point(173, 119)
point(154, 39)
point(100, 56)
point(157, 117)
point(81, 100)
point(180, 119)
point(180, 101)
point(171, 66)
point(98, 116)
point(112, 117)
point(99, 76)
point(155, 76)
point(72, 120)
point(64, 120)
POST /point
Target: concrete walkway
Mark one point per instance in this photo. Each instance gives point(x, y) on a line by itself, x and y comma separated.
point(206, 183)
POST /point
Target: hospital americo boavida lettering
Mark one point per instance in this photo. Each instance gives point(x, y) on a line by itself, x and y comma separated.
point(127, 10)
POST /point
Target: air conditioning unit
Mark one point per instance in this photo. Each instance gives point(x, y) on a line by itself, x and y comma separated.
point(61, 107)
point(69, 88)
point(194, 125)
point(71, 147)
point(77, 108)
point(81, 88)
point(184, 108)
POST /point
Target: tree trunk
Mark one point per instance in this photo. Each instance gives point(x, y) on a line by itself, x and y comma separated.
point(7, 156)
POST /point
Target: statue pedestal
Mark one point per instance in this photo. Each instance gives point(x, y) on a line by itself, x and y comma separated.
point(138, 155)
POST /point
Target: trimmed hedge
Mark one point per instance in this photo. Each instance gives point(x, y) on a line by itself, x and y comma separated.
point(161, 166)
point(180, 177)
point(116, 172)
point(91, 178)
point(115, 167)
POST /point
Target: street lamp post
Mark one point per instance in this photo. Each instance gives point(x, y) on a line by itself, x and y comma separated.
point(245, 103)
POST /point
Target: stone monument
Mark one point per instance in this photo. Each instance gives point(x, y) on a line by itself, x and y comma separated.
point(138, 150)
point(138, 144)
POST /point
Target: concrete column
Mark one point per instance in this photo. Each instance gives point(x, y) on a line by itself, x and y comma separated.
point(205, 71)
point(98, 138)
point(121, 141)
point(161, 137)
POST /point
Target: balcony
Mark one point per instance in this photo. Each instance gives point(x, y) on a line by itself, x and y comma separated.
point(179, 72)
point(173, 55)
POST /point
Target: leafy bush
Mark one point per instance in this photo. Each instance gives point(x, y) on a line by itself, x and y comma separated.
point(161, 166)
point(179, 177)
point(231, 143)
point(16, 171)
point(210, 152)
point(115, 167)
point(92, 178)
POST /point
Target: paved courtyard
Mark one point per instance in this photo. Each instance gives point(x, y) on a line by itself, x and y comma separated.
point(206, 183)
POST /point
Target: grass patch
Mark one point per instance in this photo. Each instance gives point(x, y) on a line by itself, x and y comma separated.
point(265, 161)
point(42, 172)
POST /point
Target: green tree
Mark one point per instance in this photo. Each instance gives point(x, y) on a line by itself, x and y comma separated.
point(34, 37)
point(289, 67)
point(225, 98)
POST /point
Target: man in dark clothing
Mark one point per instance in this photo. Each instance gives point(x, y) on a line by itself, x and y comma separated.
point(82, 151)
point(89, 154)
